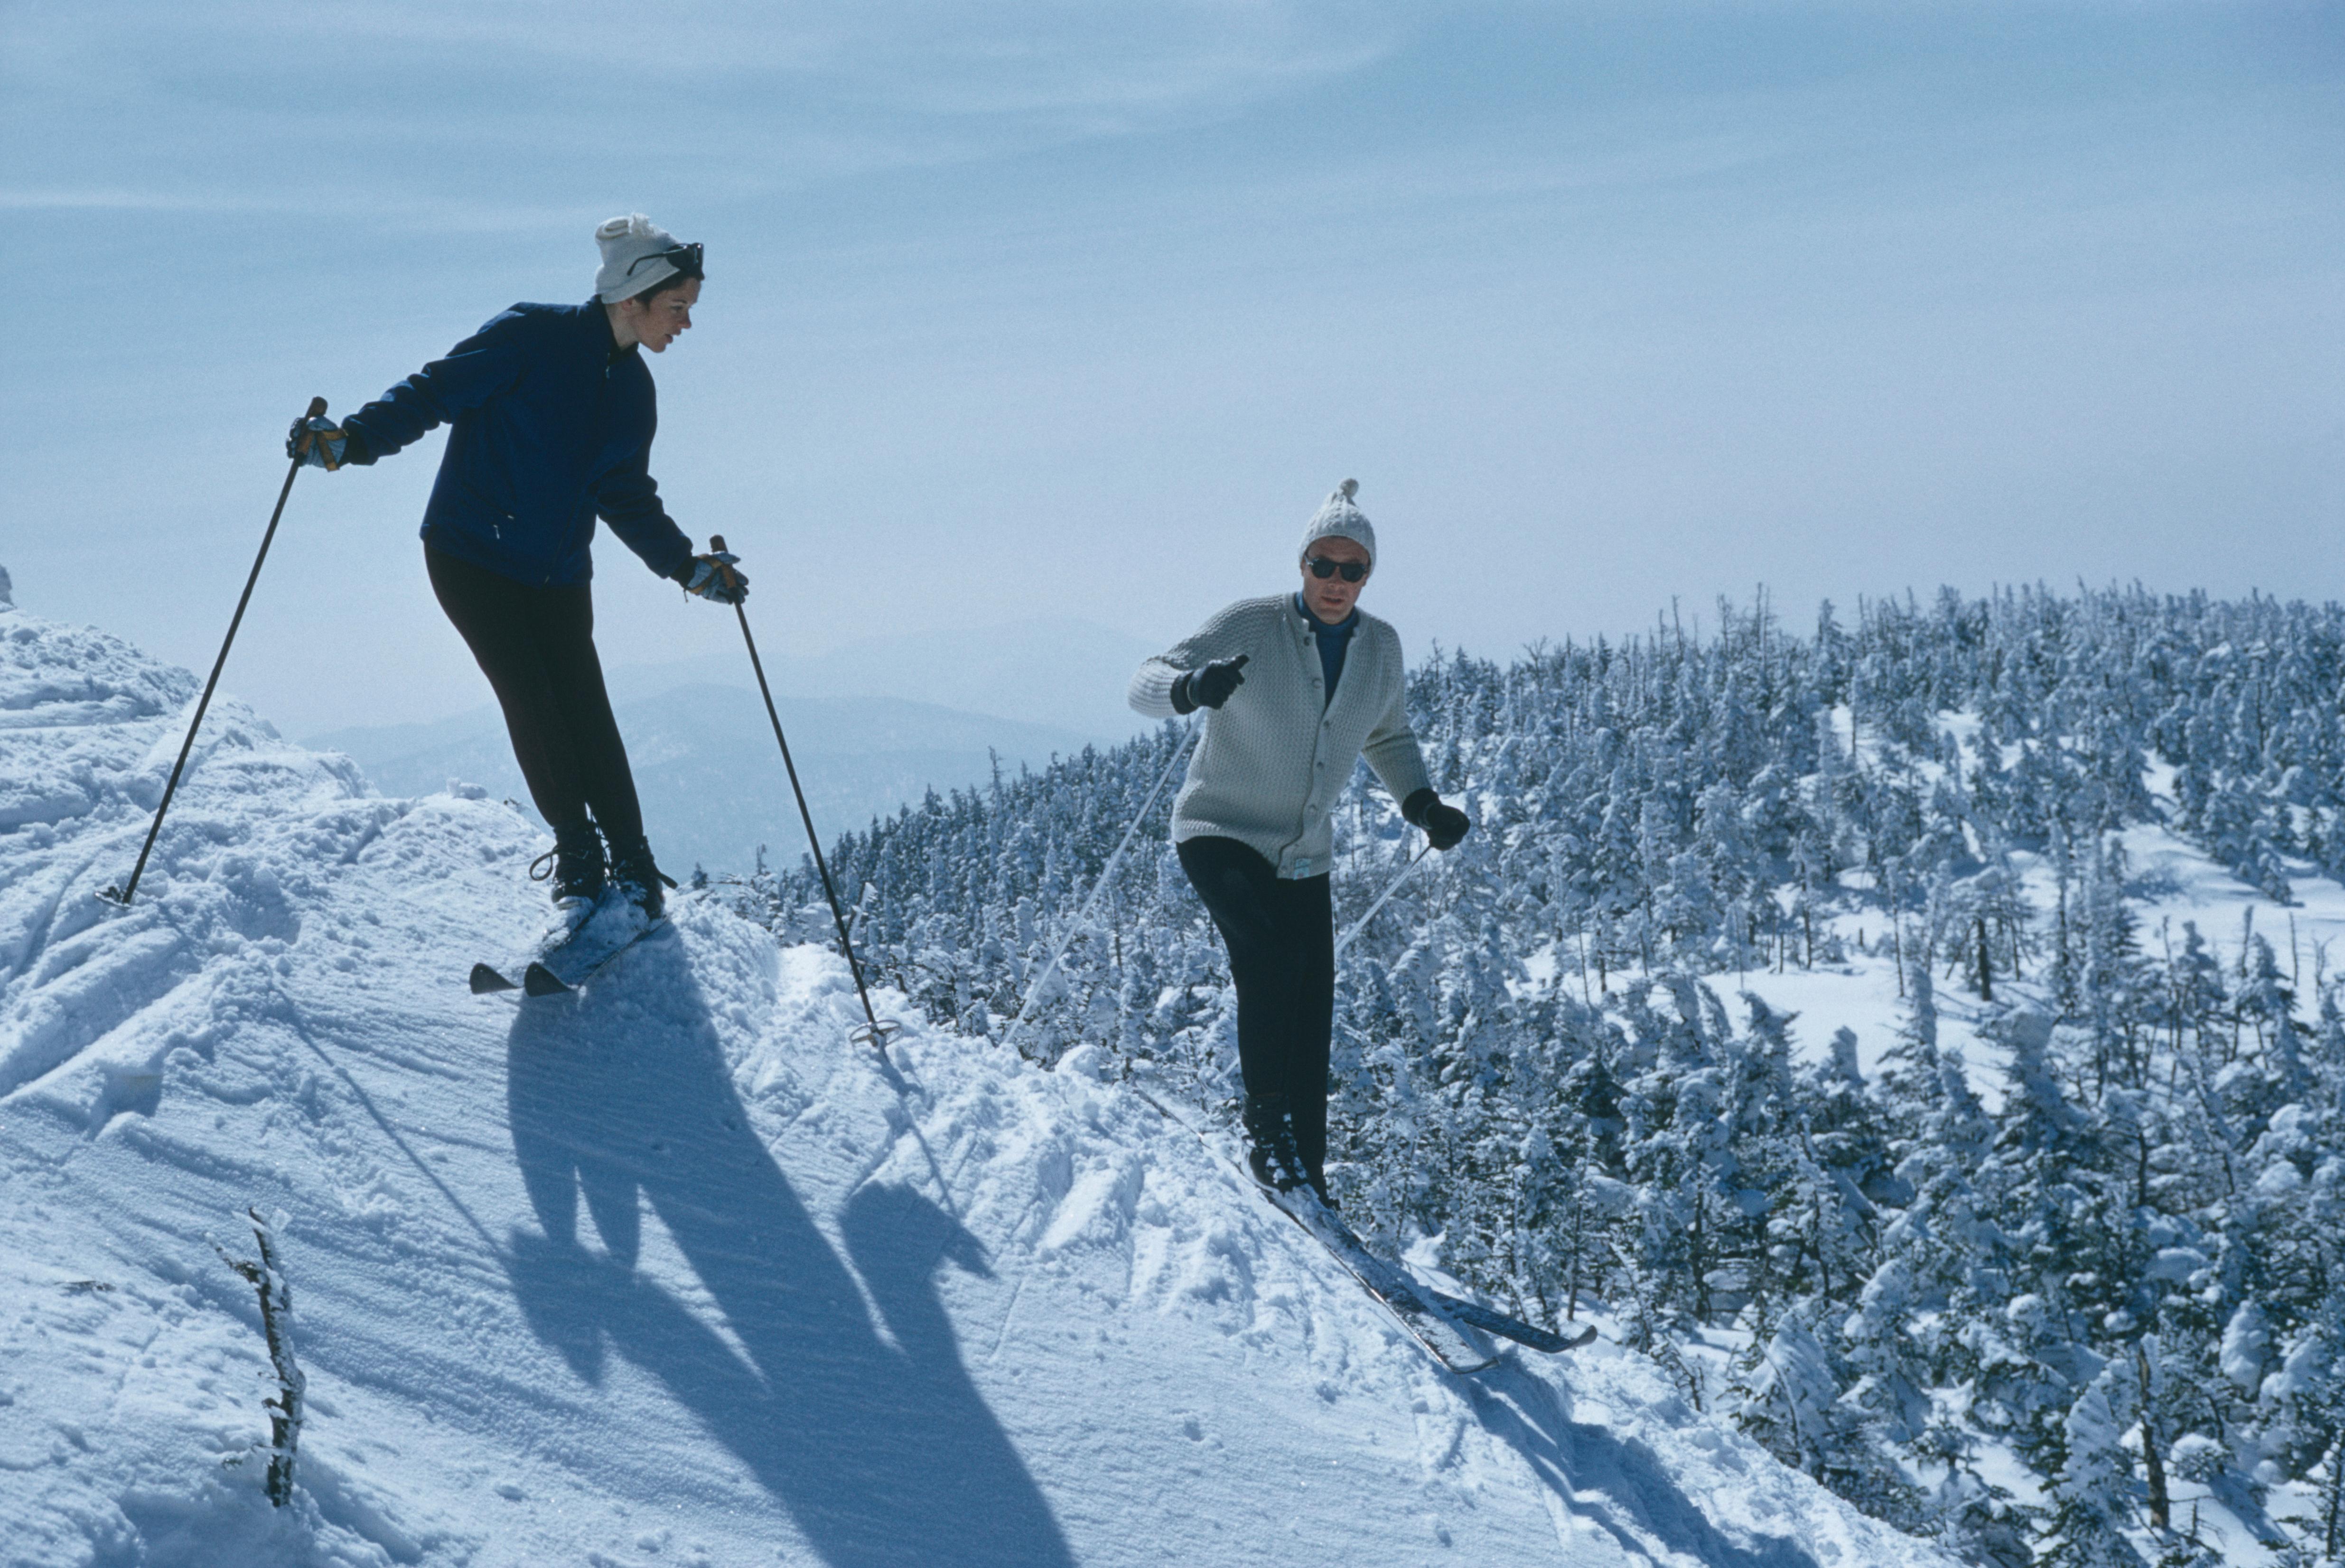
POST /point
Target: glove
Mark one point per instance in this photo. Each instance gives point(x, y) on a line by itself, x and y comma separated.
point(1211, 686)
point(318, 443)
point(1444, 824)
point(716, 577)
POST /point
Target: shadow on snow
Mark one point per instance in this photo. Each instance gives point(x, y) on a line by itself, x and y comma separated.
point(1611, 1484)
point(884, 1453)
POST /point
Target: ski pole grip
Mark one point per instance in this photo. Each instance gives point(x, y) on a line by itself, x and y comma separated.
point(317, 409)
point(716, 544)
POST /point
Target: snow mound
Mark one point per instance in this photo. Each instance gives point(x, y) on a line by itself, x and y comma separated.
point(671, 1272)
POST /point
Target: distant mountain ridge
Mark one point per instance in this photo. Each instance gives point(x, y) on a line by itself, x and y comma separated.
point(873, 727)
point(1058, 673)
point(710, 775)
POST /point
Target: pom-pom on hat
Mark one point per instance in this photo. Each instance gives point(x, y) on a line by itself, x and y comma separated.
point(631, 256)
point(1338, 518)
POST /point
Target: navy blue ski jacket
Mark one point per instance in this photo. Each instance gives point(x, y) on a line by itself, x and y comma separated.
point(552, 428)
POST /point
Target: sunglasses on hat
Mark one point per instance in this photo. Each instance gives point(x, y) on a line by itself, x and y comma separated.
point(1323, 569)
point(684, 258)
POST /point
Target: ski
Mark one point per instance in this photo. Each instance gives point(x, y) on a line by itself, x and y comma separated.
point(1416, 1309)
point(1490, 1320)
point(487, 982)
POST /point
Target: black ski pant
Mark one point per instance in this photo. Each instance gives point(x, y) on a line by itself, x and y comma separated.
point(535, 642)
point(1280, 934)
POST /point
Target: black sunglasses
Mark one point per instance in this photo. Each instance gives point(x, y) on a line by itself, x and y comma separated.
point(686, 258)
point(1323, 569)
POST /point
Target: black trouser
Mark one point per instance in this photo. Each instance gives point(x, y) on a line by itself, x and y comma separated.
point(1281, 934)
point(536, 645)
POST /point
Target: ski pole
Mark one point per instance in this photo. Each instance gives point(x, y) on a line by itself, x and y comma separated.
point(121, 893)
point(874, 1033)
point(1107, 870)
point(1393, 886)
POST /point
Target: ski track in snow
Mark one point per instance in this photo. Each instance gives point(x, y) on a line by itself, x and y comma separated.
point(670, 1272)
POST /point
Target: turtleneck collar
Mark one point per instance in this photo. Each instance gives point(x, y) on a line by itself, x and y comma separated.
point(1343, 628)
point(1332, 642)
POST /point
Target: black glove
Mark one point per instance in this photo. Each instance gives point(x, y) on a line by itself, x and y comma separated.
point(318, 443)
point(1444, 824)
point(1209, 687)
point(715, 577)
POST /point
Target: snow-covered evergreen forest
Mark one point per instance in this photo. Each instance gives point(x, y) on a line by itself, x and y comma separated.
point(2023, 1295)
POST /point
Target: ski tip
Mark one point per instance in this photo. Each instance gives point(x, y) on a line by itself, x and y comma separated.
point(540, 981)
point(1547, 1344)
point(487, 981)
point(1551, 1343)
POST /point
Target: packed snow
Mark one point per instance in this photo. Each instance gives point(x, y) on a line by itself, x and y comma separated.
point(671, 1272)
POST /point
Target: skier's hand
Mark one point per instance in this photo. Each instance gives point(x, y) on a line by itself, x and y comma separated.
point(318, 442)
point(1211, 686)
point(715, 576)
point(1445, 825)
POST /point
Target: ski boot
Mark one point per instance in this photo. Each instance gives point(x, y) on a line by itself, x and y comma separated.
point(640, 881)
point(574, 866)
point(1270, 1144)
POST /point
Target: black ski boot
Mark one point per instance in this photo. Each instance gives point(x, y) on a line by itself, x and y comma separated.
point(1270, 1143)
point(575, 864)
point(635, 875)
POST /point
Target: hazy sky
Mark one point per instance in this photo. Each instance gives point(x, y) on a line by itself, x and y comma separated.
point(1079, 310)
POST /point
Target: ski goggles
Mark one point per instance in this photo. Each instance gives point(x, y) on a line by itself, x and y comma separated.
point(684, 258)
point(1319, 567)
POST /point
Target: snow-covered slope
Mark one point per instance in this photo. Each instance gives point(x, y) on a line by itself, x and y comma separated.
point(671, 1274)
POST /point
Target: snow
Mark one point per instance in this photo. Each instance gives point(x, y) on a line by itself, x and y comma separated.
point(671, 1272)
point(2169, 882)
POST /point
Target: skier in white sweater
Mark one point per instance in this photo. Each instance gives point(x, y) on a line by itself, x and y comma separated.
point(1298, 687)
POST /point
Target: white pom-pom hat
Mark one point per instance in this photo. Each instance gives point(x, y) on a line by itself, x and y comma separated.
point(632, 259)
point(1337, 517)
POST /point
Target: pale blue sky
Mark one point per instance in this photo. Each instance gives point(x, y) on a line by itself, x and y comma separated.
point(1078, 311)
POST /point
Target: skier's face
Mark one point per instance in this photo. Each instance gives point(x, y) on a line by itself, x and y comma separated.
point(663, 319)
point(1331, 598)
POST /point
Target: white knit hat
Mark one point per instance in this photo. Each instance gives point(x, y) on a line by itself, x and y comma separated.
point(1339, 519)
point(632, 261)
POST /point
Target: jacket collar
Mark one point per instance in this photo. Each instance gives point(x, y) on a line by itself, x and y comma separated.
point(599, 332)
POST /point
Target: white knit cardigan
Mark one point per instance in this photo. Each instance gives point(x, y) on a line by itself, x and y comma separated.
point(1275, 757)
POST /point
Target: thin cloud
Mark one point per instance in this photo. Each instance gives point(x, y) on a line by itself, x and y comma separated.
point(844, 88)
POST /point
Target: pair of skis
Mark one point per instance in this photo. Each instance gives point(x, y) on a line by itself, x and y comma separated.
point(1435, 1319)
point(562, 967)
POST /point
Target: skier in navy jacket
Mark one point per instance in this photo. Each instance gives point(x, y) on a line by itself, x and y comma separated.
point(552, 414)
